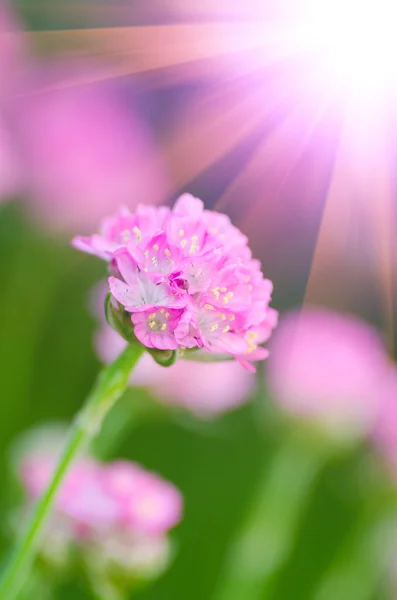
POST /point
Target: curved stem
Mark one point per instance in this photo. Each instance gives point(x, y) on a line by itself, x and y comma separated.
point(109, 386)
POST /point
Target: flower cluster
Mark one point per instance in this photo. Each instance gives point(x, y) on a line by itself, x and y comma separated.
point(188, 279)
point(116, 515)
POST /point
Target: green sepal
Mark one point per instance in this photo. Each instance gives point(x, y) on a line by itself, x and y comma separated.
point(119, 319)
point(165, 358)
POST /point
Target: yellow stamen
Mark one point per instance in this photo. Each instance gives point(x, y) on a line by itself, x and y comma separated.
point(152, 316)
point(214, 327)
point(167, 314)
point(183, 243)
point(250, 348)
point(208, 306)
point(232, 317)
point(181, 233)
point(251, 335)
point(138, 233)
point(227, 297)
point(167, 252)
point(152, 324)
point(163, 327)
point(194, 245)
point(216, 293)
point(226, 329)
point(222, 316)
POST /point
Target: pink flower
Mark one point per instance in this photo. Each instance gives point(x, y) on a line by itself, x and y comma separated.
point(150, 505)
point(123, 229)
point(137, 291)
point(10, 176)
point(327, 367)
point(187, 277)
point(205, 389)
point(114, 516)
point(256, 336)
point(157, 329)
point(384, 433)
point(99, 497)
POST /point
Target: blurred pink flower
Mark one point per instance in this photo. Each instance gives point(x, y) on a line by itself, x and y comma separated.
point(115, 517)
point(205, 389)
point(188, 279)
point(84, 150)
point(385, 431)
point(10, 174)
point(98, 497)
point(150, 504)
point(327, 367)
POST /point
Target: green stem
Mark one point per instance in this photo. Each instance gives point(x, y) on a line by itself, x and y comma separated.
point(260, 549)
point(109, 386)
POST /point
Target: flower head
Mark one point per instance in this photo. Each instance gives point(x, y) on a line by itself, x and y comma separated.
point(187, 278)
point(99, 497)
point(117, 514)
point(328, 367)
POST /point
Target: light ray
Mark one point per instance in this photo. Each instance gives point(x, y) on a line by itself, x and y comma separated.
point(356, 228)
point(271, 166)
point(155, 47)
point(231, 47)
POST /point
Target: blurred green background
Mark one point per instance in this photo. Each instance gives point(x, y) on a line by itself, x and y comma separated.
point(48, 366)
